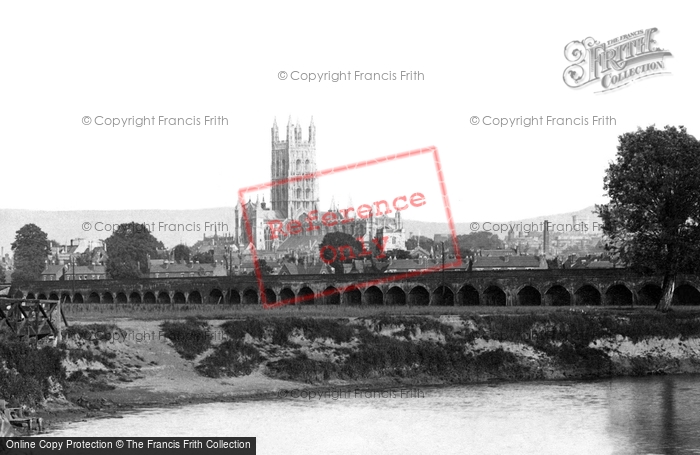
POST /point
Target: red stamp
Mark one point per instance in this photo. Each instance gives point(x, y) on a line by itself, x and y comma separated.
point(393, 188)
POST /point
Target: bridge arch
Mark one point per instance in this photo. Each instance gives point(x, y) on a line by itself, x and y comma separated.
point(395, 296)
point(587, 295)
point(373, 296)
point(250, 297)
point(194, 297)
point(468, 295)
point(352, 296)
point(287, 296)
point(94, 297)
point(19, 294)
point(149, 297)
point(331, 296)
point(306, 296)
point(443, 296)
point(528, 295)
point(41, 296)
point(163, 297)
point(77, 297)
point(618, 294)
point(234, 297)
point(107, 297)
point(216, 296)
point(270, 296)
point(134, 297)
point(418, 295)
point(179, 297)
point(557, 295)
point(65, 298)
point(30, 296)
point(494, 296)
point(686, 294)
point(53, 296)
point(649, 294)
point(121, 297)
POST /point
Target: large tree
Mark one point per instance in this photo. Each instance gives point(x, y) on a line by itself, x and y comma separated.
point(31, 251)
point(652, 217)
point(181, 253)
point(337, 248)
point(129, 248)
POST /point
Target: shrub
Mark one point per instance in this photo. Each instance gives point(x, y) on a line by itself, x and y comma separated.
point(190, 338)
point(230, 358)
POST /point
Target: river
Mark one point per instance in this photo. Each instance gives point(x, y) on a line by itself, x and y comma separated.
point(659, 414)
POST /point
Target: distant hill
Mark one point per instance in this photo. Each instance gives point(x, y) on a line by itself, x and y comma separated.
point(429, 229)
point(188, 226)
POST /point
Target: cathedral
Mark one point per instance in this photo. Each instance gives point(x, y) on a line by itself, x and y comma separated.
point(299, 200)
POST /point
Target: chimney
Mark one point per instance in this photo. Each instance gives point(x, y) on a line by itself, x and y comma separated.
point(545, 239)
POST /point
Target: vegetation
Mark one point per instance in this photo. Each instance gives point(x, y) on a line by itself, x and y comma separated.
point(94, 332)
point(181, 253)
point(338, 248)
point(190, 338)
point(470, 243)
point(230, 358)
point(130, 246)
point(653, 215)
point(26, 373)
point(31, 250)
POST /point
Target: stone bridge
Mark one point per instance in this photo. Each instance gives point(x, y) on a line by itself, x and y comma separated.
point(507, 287)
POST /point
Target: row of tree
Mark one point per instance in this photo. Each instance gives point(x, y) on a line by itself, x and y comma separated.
point(129, 251)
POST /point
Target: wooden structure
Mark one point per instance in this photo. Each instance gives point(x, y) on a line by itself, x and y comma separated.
point(17, 418)
point(28, 319)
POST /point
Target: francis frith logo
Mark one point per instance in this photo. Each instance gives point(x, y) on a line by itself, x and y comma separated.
point(615, 63)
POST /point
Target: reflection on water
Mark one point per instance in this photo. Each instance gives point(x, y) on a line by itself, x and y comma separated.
point(620, 416)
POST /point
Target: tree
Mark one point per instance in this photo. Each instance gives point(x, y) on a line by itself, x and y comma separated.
point(31, 250)
point(424, 242)
point(652, 217)
point(2, 274)
point(265, 269)
point(483, 240)
point(129, 248)
point(181, 253)
point(204, 257)
point(339, 247)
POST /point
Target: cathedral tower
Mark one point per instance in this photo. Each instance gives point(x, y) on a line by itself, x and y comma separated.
point(293, 157)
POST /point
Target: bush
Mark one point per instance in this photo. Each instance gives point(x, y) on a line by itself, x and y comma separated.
point(231, 358)
point(301, 368)
point(190, 338)
point(25, 371)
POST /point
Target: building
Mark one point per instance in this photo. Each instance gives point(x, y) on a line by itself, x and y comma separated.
point(83, 272)
point(171, 269)
point(298, 201)
point(52, 272)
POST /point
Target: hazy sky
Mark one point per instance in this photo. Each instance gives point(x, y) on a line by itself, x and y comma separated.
point(64, 61)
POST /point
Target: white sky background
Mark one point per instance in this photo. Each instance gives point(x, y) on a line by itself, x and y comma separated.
point(63, 61)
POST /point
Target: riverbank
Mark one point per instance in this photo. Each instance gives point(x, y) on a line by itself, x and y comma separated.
point(126, 364)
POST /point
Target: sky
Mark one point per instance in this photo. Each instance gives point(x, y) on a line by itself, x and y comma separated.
point(64, 62)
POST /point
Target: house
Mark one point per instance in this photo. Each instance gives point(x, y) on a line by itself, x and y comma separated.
point(410, 265)
point(289, 268)
point(483, 263)
point(84, 272)
point(419, 252)
point(52, 273)
point(169, 269)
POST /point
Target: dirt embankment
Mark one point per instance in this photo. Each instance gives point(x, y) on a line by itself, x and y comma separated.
point(132, 364)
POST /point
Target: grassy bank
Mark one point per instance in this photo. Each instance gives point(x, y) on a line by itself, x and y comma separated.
point(130, 362)
point(160, 311)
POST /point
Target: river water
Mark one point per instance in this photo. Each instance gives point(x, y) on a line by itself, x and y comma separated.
point(650, 415)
